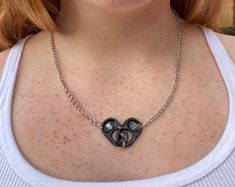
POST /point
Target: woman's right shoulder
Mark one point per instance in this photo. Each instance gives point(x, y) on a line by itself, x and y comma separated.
point(3, 59)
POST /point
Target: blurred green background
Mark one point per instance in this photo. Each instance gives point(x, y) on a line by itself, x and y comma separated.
point(226, 20)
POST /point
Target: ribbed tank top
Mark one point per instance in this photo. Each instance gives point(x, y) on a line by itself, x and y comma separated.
point(216, 169)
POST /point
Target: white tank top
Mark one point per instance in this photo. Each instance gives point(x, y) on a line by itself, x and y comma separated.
point(216, 169)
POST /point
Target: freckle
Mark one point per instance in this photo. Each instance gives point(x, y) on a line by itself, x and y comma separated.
point(207, 117)
point(120, 82)
point(121, 103)
point(182, 101)
point(65, 139)
point(146, 169)
point(86, 164)
point(99, 144)
point(154, 77)
point(52, 111)
point(101, 113)
point(194, 135)
point(185, 122)
point(56, 95)
point(212, 136)
point(164, 133)
point(202, 140)
point(159, 143)
point(74, 134)
point(132, 88)
point(82, 119)
point(57, 120)
point(180, 132)
point(218, 113)
point(57, 160)
point(55, 134)
point(65, 124)
point(57, 147)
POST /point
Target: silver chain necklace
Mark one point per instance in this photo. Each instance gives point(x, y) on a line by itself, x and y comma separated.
point(123, 135)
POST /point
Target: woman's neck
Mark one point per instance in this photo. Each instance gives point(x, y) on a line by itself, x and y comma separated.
point(148, 28)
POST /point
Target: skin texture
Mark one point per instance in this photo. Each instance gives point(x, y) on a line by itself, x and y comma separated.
point(119, 5)
point(118, 71)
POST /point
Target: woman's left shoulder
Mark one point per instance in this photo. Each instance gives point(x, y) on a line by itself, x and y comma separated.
point(229, 43)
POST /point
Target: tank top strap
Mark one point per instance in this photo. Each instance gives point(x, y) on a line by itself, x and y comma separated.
point(10, 68)
point(218, 50)
point(227, 69)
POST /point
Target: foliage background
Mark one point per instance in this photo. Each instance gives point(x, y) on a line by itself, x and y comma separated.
point(226, 20)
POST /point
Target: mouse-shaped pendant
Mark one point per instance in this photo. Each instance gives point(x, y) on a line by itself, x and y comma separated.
point(121, 135)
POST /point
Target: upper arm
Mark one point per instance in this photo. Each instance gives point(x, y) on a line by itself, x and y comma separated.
point(3, 58)
point(229, 44)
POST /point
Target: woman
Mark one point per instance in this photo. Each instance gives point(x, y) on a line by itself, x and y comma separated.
point(170, 126)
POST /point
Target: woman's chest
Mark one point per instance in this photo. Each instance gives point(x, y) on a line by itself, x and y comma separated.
point(58, 140)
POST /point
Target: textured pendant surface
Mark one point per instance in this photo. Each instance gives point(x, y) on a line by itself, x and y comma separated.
point(121, 135)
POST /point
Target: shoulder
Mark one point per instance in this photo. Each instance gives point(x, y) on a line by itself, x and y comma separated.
point(229, 43)
point(3, 58)
point(196, 36)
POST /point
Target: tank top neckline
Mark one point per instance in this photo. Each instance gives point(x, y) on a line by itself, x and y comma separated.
point(179, 178)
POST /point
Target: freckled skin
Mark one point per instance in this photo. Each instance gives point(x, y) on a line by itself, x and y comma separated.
point(56, 139)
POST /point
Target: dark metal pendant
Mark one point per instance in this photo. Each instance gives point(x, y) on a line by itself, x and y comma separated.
point(121, 135)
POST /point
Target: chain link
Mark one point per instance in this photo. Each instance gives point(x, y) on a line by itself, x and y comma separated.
point(155, 115)
point(176, 75)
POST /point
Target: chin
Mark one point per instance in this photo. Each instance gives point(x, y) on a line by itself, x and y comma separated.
point(120, 5)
